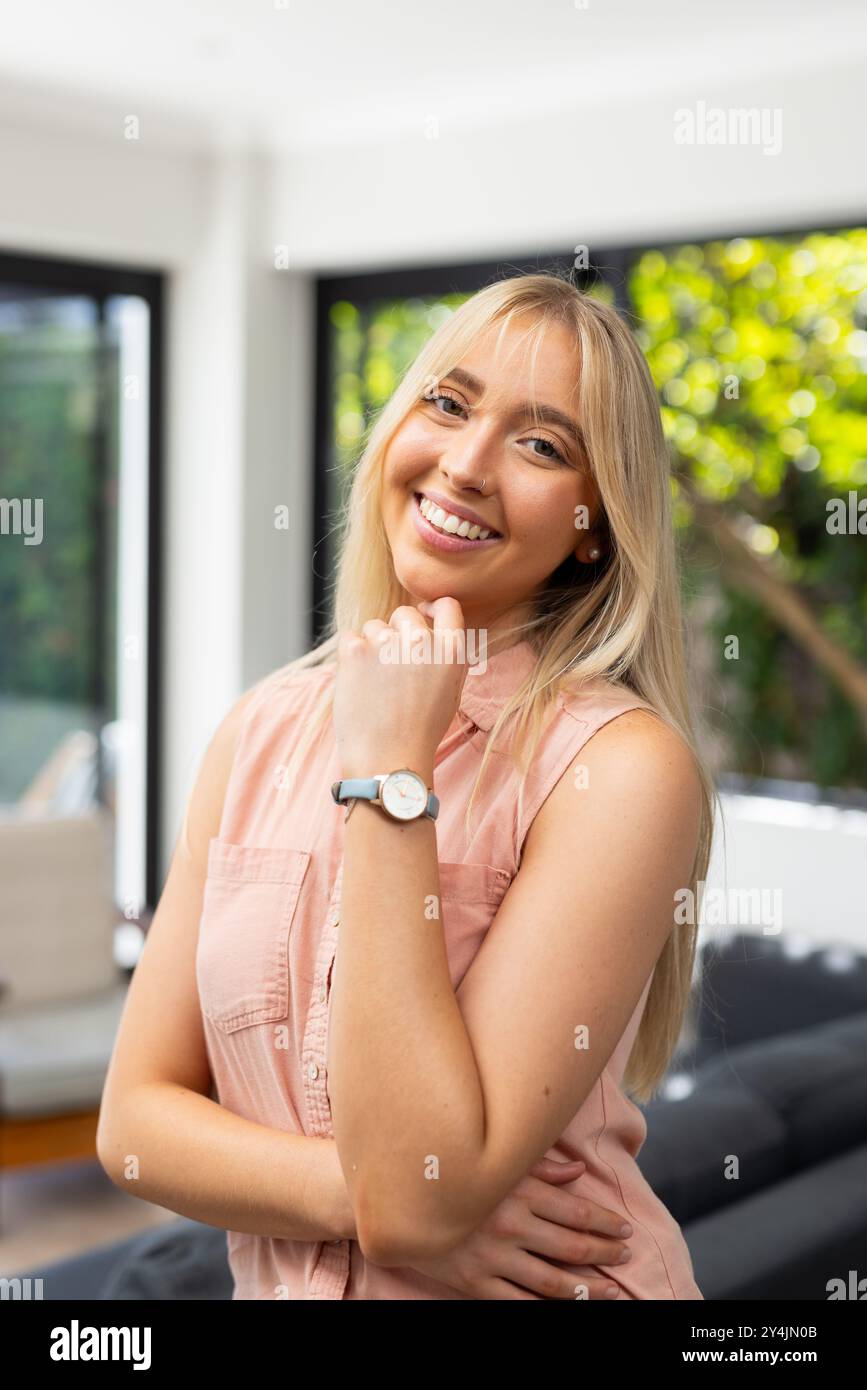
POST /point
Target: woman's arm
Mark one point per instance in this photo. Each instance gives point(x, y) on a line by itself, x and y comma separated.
point(185, 1152)
point(477, 1086)
point(160, 1136)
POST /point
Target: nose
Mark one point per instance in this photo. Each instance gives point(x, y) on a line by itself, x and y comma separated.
point(469, 464)
point(462, 481)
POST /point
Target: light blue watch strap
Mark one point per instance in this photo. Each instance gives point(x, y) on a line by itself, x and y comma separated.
point(367, 789)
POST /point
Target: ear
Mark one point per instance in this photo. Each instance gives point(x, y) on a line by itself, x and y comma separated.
point(591, 548)
point(595, 542)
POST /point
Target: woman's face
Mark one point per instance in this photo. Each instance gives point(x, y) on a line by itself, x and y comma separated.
point(472, 426)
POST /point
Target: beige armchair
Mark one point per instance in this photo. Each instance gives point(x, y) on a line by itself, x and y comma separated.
point(61, 993)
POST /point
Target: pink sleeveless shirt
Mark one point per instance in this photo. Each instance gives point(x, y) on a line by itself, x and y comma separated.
point(268, 936)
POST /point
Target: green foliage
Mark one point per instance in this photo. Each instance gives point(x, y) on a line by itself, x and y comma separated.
point(759, 350)
point(47, 591)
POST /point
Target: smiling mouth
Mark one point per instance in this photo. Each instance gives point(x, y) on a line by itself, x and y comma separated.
point(454, 527)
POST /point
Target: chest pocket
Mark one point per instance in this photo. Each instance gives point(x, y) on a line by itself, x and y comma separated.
point(242, 960)
point(471, 895)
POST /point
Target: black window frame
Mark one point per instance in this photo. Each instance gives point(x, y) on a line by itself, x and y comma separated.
point(102, 280)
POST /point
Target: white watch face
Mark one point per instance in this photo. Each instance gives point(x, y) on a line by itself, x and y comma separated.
point(403, 795)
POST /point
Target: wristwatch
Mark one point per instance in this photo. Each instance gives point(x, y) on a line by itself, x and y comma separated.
point(401, 794)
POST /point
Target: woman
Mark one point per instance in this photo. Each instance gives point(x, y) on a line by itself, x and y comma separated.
point(392, 1114)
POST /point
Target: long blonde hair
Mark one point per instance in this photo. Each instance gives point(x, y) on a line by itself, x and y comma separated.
point(620, 620)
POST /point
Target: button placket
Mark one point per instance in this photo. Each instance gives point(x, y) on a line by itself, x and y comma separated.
point(330, 1276)
point(313, 1057)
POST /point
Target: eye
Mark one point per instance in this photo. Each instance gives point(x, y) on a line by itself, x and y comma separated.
point(555, 454)
point(442, 396)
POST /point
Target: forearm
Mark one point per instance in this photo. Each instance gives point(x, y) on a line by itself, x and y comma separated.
point(186, 1152)
point(406, 1097)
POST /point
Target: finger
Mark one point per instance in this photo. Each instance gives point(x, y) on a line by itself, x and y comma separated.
point(555, 1170)
point(414, 634)
point(573, 1247)
point(447, 612)
point(548, 1281)
point(377, 632)
point(349, 642)
point(449, 634)
point(579, 1213)
point(502, 1289)
point(407, 616)
point(382, 640)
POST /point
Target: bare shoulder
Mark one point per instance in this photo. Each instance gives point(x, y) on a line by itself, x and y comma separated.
point(635, 772)
point(640, 745)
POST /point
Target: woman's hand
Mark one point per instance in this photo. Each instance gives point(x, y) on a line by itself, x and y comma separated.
point(392, 708)
point(501, 1260)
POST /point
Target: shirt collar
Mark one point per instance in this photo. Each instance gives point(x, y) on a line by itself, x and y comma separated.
point(485, 692)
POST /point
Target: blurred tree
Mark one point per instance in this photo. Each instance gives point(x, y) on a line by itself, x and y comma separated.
point(759, 351)
point(47, 591)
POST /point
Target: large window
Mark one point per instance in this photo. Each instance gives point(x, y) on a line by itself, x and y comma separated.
point(758, 347)
point(79, 413)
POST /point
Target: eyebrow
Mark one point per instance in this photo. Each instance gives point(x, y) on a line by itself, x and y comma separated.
point(549, 414)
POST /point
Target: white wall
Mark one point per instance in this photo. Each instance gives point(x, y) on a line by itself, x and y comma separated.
point(66, 193)
point(239, 389)
point(609, 173)
point(810, 863)
point(238, 590)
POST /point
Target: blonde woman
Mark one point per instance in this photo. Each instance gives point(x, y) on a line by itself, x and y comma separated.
point(388, 1047)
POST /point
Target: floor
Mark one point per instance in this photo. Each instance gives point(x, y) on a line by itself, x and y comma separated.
point(51, 1211)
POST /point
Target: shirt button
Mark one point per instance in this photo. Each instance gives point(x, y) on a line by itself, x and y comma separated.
point(313, 1071)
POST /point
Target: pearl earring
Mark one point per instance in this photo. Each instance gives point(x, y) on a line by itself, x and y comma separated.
point(594, 553)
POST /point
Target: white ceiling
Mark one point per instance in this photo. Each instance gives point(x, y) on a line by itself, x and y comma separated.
point(282, 75)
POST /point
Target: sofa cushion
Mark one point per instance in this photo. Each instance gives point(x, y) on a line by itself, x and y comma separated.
point(688, 1141)
point(778, 1106)
point(53, 1057)
point(182, 1260)
point(58, 920)
point(814, 1079)
point(754, 987)
point(787, 1242)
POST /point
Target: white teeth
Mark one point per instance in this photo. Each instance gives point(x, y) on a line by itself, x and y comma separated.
point(449, 523)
